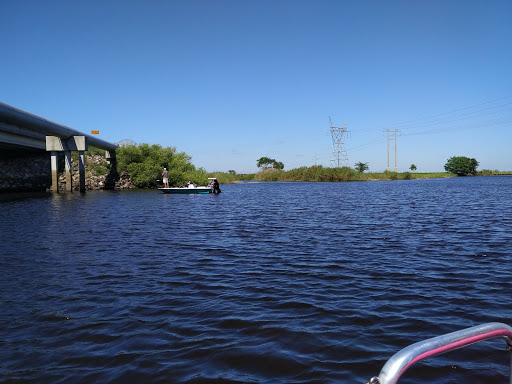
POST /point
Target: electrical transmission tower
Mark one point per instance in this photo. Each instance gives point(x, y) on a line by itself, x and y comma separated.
point(396, 164)
point(339, 154)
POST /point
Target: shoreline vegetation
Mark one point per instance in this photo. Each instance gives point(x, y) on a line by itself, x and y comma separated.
point(318, 173)
point(143, 166)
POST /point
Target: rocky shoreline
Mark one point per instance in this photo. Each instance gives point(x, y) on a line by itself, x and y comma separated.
point(98, 175)
point(32, 173)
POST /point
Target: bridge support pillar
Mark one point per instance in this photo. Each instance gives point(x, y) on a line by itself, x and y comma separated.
point(75, 143)
point(110, 156)
point(55, 172)
point(68, 169)
point(81, 169)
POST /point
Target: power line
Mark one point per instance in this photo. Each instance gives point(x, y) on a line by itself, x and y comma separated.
point(377, 140)
point(487, 114)
point(454, 119)
point(463, 127)
point(417, 121)
point(444, 122)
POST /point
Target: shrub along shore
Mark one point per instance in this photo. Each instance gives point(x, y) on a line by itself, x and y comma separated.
point(319, 173)
point(322, 174)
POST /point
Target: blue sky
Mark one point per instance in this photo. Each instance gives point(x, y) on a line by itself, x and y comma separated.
point(230, 81)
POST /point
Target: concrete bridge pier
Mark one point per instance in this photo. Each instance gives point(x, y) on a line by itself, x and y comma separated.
point(55, 144)
point(68, 169)
point(55, 172)
point(81, 169)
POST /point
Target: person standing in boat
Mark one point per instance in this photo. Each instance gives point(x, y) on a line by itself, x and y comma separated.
point(165, 178)
point(216, 186)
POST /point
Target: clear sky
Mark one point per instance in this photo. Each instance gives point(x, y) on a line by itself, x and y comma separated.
point(230, 81)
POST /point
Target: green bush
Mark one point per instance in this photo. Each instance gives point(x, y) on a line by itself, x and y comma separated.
point(313, 173)
point(461, 165)
point(269, 175)
point(98, 169)
point(488, 172)
point(389, 175)
point(230, 177)
point(225, 178)
point(145, 165)
point(95, 151)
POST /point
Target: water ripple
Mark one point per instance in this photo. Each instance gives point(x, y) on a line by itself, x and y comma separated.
point(265, 283)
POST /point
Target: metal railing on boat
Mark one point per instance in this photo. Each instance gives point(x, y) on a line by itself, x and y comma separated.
point(410, 355)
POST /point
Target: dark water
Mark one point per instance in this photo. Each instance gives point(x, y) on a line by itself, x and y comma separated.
point(265, 283)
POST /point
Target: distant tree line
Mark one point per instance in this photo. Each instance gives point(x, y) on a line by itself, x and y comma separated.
point(145, 163)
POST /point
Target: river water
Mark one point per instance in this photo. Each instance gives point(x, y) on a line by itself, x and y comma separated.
point(264, 283)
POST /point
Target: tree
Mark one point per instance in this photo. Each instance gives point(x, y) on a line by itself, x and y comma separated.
point(278, 165)
point(145, 163)
point(413, 167)
point(267, 162)
point(232, 171)
point(361, 167)
point(461, 165)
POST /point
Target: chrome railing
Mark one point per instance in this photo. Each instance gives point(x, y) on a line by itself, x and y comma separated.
point(402, 360)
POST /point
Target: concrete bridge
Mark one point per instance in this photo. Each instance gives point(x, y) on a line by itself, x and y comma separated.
point(21, 131)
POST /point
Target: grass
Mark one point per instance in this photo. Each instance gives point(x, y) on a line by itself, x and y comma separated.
point(488, 172)
point(230, 178)
point(99, 169)
point(319, 173)
point(432, 175)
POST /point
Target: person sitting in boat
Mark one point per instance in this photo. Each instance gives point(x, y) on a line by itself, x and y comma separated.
point(190, 184)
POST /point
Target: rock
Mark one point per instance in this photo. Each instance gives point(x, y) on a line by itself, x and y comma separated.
point(98, 175)
point(22, 172)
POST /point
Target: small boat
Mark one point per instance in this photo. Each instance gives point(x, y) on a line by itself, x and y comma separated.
point(186, 190)
point(192, 189)
point(403, 359)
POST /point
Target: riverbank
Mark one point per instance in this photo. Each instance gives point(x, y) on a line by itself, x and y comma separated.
point(321, 174)
point(32, 173)
point(98, 175)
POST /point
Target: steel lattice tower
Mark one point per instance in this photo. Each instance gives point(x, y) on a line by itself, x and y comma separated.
point(339, 154)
